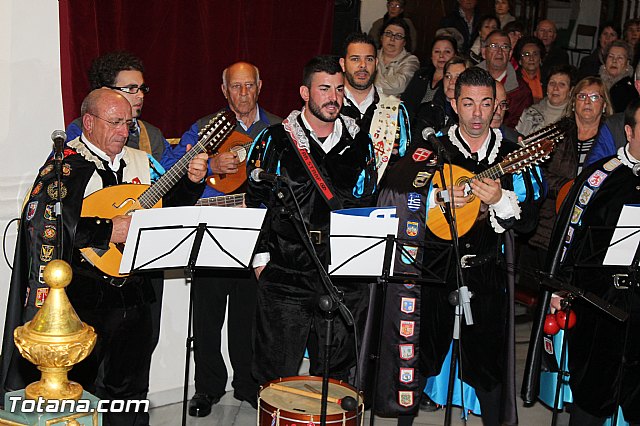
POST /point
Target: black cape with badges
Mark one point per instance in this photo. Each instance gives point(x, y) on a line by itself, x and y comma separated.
point(596, 343)
point(406, 186)
point(36, 247)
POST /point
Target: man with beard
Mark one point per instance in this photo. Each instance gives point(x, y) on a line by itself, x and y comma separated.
point(384, 117)
point(241, 85)
point(327, 164)
point(506, 203)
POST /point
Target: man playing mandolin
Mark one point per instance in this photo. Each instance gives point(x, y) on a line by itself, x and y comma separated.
point(241, 86)
point(505, 203)
point(119, 311)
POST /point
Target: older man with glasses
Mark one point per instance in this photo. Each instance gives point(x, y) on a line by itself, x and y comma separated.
point(496, 60)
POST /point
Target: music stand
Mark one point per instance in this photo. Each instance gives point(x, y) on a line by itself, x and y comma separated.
point(155, 242)
point(359, 239)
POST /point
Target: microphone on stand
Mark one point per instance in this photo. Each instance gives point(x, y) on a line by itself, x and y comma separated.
point(259, 175)
point(58, 137)
point(429, 134)
point(636, 169)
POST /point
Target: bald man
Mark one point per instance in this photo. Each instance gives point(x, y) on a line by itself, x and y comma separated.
point(241, 86)
point(547, 31)
point(119, 310)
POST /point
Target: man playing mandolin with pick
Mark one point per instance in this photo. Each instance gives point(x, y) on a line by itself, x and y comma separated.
point(505, 203)
point(119, 310)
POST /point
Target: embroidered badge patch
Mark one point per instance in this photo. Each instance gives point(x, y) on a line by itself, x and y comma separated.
point(596, 178)
point(612, 164)
point(405, 398)
point(49, 212)
point(406, 328)
point(41, 274)
point(569, 236)
point(52, 190)
point(41, 296)
point(409, 254)
point(421, 179)
point(409, 285)
point(31, 209)
point(421, 154)
point(408, 304)
point(46, 170)
point(36, 189)
point(548, 345)
point(406, 375)
point(412, 229)
point(406, 351)
point(413, 201)
point(585, 195)
point(49, 232)
point(46, 253)
point(576, 214)
point(136, 181)
point(66, 169)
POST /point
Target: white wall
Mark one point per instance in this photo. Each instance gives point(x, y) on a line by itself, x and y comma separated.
point(30, 106)
point(30, 109)
point(371, 10)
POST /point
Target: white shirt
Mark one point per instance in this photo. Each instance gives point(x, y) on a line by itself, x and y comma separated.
point(113, 165)
point(365, 104)
point(331, 140)
point(255, 119)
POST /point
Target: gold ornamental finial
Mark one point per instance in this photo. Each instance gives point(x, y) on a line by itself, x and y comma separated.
point(55, 339)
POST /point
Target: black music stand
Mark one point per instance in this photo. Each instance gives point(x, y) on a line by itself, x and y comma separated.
point(354, 265)
point(156, 243)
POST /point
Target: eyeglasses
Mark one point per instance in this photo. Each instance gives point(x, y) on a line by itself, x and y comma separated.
point(504, 105)
point(393, 36)
point(593, 96)
point(496, 46)
point(394, 5)
point(532, 54)
point(115, 124)
point(132, 89)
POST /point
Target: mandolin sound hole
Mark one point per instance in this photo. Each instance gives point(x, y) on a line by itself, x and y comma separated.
point(466, 182)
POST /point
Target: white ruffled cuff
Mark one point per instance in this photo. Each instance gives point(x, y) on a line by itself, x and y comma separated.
point(261, 259)
point(506, 208)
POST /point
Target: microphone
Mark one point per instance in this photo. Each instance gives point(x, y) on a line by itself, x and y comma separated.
point(58, 137)
point(429, 134)
point(636, 169)
point(259, 175)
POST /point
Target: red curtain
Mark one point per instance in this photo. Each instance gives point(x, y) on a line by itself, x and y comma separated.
point(186, 44)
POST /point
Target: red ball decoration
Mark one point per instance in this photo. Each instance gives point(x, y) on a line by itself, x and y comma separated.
point(551, 325)
point(561, 318)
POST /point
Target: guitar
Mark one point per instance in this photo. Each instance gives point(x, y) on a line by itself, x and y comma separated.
point(234, 200)
point(124, 199)
point(226, 183)
point(538, 148)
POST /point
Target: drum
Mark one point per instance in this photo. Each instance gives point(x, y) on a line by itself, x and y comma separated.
point(278, 407)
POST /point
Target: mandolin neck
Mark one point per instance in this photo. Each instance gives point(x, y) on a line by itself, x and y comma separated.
point(222, 201)
point(494, 172)
point(155, 192)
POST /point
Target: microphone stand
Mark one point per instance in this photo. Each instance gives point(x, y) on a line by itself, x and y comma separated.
point(461, 297)
point(58, 161)
point(329, 303)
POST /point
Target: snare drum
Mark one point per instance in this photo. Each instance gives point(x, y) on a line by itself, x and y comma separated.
point(281, 408)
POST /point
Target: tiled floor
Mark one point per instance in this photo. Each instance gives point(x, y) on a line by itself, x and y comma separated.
point(230, 412)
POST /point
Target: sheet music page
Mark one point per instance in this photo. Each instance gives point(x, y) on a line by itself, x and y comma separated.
point(235, 229)
point(358, 223)
point(622, 252)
